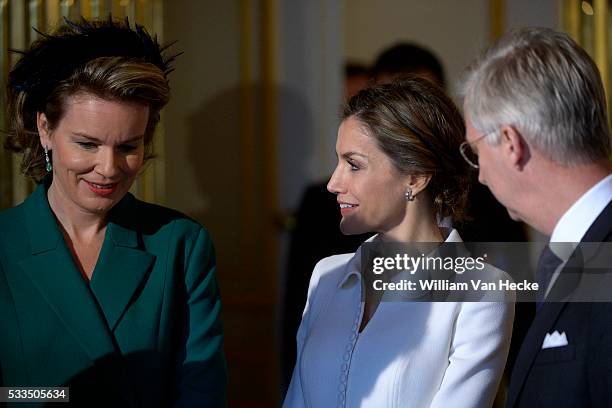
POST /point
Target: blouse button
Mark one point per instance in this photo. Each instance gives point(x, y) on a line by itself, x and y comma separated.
point(344, 366)
point(347, 356)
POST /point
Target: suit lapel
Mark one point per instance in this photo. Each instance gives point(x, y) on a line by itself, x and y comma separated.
point(601, 229)
point(532, 344)
point(52, 270)
point(120, 271)
point(545, 319)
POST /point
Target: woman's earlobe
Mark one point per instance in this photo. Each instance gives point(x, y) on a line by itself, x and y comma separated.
point(42, 125)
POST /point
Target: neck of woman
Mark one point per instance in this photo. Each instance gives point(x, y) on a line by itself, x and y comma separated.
point(419, 224)
point(75, 222)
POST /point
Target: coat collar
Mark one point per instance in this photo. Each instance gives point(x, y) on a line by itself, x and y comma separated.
point(352, 274)
point(542, 324)
point(42, 228)
point(122, 228)
point(45, 234)
point(54, 273)
point(121, 268)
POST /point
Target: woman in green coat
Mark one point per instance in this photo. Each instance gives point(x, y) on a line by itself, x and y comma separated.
point(110, 296)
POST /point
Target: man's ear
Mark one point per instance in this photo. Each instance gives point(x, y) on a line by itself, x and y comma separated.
point(514, 148)
point(43, 127)
point(418, 182)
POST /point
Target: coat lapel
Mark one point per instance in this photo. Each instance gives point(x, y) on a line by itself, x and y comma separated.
point(601, 229)
point(543, 323)
point(121, 269)
point(52, 270)
point(532, 344)
point(549, 313)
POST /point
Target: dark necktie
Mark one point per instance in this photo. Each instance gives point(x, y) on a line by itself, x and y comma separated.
point(547, 265)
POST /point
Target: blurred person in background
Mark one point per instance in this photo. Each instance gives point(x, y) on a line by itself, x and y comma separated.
point(407, 59)
point(356, 77)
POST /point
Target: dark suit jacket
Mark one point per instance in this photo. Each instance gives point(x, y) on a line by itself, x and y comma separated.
point(144, 332)
point(576, 375)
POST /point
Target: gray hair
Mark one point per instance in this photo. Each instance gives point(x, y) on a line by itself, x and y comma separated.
point(542, 83)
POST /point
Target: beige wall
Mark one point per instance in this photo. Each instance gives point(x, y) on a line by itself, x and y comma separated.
point(208, 34)
point(215, 178)
point(454, 30)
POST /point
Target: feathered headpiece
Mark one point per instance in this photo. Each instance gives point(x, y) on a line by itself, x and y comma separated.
point(56, 57)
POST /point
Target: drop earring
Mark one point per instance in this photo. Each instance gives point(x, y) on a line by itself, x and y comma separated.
point(408, 194)
point(49, 166)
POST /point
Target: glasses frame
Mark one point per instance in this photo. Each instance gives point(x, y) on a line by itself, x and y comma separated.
point(470, 145)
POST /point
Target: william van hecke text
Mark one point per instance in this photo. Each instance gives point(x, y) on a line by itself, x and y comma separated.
point(448, 285)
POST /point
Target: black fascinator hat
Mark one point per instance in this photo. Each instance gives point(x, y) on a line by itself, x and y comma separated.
point(55, 57)
point(108, 58)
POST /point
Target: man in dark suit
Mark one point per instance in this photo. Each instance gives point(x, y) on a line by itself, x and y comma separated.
point(537, 129)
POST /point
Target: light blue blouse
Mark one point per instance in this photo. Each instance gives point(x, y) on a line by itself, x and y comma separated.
point(410, 354)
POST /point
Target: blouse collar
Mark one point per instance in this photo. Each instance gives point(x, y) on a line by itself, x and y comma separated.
point(352, 273)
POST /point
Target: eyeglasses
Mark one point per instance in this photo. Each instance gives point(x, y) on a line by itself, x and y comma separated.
point(469, 153)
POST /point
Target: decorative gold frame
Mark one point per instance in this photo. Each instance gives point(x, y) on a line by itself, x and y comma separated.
point(590, 24)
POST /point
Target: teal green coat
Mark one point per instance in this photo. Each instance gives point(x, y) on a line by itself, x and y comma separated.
point(144, 332)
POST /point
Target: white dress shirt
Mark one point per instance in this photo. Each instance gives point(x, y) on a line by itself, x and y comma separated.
point(572, 226)
point(410, 354)
point(576, 221)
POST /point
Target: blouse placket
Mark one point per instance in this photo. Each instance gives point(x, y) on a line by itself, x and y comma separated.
point(348, 356)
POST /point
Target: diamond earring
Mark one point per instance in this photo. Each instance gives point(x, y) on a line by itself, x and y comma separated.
point(408, 194)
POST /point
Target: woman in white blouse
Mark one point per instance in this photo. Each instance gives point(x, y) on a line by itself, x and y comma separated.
point(399, 171)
